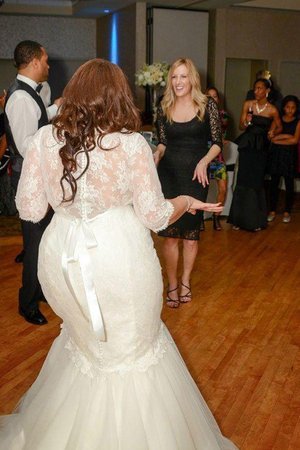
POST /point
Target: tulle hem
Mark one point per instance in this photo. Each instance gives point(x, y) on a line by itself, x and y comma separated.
point(157, 409)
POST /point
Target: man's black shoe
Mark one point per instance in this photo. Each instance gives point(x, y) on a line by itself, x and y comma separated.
point(19, 258)
point(35, 316)
point(43, 299)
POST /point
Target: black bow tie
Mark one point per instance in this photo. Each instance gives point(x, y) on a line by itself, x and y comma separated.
point(39, 88)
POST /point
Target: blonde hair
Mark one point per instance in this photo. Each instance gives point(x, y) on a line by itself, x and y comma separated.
point(199, 99)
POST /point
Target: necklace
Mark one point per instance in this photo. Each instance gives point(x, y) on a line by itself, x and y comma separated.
point(260, 110)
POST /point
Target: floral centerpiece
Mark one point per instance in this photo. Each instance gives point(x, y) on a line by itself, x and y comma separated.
point(153, 76)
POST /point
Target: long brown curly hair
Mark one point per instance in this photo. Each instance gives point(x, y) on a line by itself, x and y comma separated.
point(96, 101)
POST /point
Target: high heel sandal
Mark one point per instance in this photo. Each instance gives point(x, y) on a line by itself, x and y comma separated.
point(170, 302)
point(186, 298)
point(216, 222)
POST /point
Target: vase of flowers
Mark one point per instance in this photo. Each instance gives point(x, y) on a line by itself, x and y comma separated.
point(153, 76)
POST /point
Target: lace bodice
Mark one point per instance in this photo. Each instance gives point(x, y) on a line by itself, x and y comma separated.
point(213, 119)
point(123, 174)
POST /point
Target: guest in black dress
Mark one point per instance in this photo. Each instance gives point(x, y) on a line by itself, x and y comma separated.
point(274, 97)
point(187, 120)
point(283, 157)
point(261, 122)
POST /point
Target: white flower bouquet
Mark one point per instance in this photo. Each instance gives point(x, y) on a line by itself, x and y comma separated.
point(152, 75)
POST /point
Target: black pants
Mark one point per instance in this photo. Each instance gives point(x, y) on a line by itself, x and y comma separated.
point(31, 292)
point(274, 192)
point(15, 177)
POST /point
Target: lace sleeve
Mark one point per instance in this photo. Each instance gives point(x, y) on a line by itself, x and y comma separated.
point(161, 126)
point(153, 210)
point(214, 122)
point(31, 199)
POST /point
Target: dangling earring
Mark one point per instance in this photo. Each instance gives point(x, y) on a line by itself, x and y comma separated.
point(267, 95)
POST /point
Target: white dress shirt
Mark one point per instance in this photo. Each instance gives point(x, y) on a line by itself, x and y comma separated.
point(45, 94)
point(23, 114)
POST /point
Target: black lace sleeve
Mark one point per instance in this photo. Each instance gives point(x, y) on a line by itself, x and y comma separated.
point(214, 122)
point(161, 126)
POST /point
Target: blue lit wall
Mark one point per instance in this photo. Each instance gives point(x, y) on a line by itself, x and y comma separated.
point(113, 51)
point(116, 39)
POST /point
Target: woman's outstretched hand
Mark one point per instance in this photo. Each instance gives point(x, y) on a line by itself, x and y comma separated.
point(200, 172)
point(210, 207)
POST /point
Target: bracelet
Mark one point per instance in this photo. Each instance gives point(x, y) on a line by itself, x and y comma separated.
point(246, 124)
point(188, 202)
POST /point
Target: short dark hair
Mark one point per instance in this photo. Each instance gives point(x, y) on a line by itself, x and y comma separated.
point(25, 52)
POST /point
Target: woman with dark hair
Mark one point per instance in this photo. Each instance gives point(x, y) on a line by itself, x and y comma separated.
point(275, 96)
point(283, 157)
point(217, 168)
point(187, 121)
point(261, 122)
point(113, 379)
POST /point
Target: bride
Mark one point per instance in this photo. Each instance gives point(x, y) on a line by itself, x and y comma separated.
point(113, 379)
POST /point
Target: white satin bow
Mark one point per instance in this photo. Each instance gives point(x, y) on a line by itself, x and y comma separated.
point(79, 229)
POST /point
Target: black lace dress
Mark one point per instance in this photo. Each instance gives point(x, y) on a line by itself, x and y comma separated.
point(186, 143)
point(248, 208)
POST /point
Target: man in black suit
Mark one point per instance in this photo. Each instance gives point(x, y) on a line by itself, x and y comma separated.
point(25, 113)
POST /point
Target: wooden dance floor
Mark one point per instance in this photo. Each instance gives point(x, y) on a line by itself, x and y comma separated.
point(240, 336)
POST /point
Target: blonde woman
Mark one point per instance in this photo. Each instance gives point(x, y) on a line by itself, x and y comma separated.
point(186, 120)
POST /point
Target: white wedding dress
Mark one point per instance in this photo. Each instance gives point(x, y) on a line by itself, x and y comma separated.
point(113, 379)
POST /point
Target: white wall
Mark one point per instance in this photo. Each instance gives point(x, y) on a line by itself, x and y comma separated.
point(248, 35)
point(177, 34)
point(254, 33)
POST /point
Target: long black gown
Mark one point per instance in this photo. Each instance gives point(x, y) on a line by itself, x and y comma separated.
point(186, 143)
point(248, 208)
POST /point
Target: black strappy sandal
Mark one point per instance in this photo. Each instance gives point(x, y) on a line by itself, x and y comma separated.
point(186, 298)
point(172, 303)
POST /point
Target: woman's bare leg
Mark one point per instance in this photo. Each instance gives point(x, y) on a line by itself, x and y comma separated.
point(171, 256)
point(222, 190)
point(190, 250)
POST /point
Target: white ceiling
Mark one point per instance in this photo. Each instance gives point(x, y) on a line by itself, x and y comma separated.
point(95, 8)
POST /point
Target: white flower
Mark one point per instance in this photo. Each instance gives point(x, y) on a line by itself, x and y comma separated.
point(152, 74)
